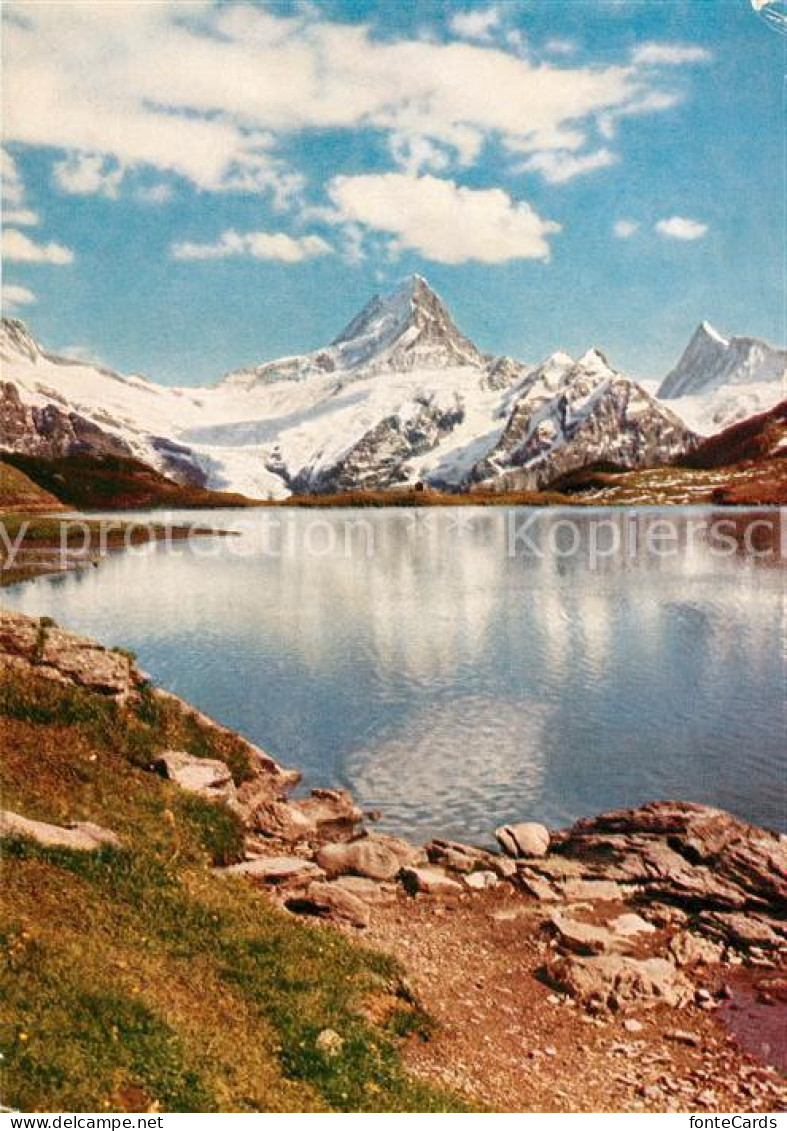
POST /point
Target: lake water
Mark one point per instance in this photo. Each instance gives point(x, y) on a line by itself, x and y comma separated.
point(459, 668)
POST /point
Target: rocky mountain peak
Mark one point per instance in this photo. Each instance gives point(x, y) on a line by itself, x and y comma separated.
point(17, 341)
point(712, 360)
point(409, 326)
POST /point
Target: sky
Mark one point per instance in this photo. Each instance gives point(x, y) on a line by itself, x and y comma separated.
point(191, 187)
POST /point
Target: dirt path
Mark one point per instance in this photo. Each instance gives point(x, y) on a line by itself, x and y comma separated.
point(507, 1039)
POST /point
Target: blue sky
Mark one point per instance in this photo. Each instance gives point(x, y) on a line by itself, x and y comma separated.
point(191, 187)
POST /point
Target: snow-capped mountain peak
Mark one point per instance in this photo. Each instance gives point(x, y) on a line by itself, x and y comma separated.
point(721, 379)
point(712, 359)
point(571, 415)
point(408, 328)
point(16, 341)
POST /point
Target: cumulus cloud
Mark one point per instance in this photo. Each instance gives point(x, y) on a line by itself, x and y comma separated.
point(85, 174)
point(558, 166)
point(479, 23)
point(681, 228)
point(255, 245)
point(20, 248)
point(14, 296)
point(207, 92)
point(669, 54)
point(15, 210)
point(625, 229)
point(441, 220)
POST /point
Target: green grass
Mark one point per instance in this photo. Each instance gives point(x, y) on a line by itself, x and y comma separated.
point(137, 979)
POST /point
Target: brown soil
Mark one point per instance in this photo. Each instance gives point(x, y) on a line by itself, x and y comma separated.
point(508, 1039)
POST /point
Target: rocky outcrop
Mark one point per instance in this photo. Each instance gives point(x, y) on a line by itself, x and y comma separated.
point(82, 836)
point(206, 777)
point(616, 981)
point(50, 431)
point(571, 415)
point(379, 458)
point(374, 856)
point(40, 648)
point(525, 839)
point(331, 901)
point(699, 858)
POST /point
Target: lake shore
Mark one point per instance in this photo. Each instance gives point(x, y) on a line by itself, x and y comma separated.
point(41, 544)
point(586, 972)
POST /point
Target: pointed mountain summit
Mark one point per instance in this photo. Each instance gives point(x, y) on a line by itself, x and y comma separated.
point(411, 326)
point(712, 360)
point(408, 328)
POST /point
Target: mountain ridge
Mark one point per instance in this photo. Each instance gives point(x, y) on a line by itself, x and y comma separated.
point(400, 397)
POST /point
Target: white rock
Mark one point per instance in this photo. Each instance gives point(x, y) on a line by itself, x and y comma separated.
point(525, 839)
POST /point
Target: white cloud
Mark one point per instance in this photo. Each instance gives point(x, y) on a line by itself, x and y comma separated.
point(15, 210)
point(478, 23)
point(20, 248)
point(86, 174)
point(22, 217)
point(443, 221)
point(160, 193)
point(257, 245)
point(13, 186)
point(207, 92)
point(681, 228)
point(625, 229)
point(83, 353)
point(558, 166)
point(669, 54)
point(417, 154)
point(14, 295)
point(560, 46)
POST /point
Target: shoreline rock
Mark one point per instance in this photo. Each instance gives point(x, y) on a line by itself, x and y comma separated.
point(639, 903)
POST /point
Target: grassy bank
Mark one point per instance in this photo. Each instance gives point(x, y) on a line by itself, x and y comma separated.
point(137, 979)
point(87, 482)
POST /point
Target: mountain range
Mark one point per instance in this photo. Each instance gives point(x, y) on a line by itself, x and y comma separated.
point(400, 397)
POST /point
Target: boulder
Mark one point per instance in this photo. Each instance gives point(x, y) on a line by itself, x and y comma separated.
point(282, 820)
point(207, 777)
point(481, 881)
point(582, 938)
point(376, 856)
point(429, 881)
point(614, 981)
point(370, 891)
point(525, 839)
point(84, 836)
point(465, 858)
point(276, 870)
point(332, 812)
point(331, 901)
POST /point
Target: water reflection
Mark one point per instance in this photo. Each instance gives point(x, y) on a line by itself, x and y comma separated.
point(455, 673)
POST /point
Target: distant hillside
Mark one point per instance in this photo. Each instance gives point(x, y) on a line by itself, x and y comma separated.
point(760, 437)
point(19, 493)
point(89, 482)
